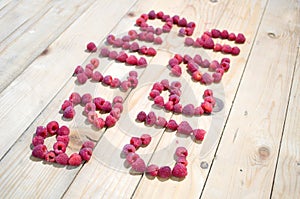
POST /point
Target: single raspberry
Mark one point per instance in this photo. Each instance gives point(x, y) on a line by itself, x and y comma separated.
point(86, 153)
point(62, 159)
point(173, 62)
point(197, 76)
point(177, 108)
point(172, 125)
point(197, 59)
point(154, 93)
point(158, 31)
point(181, 152)
point(122, 56)
point(98, 101)
point(169, 105)
point(215, 33)
point(50, 156)
point(86, 98)
point(188, 110)
point(217, 77)
point(110, 121)
point(174, 98)
point(115, 83)
point(39, 151)
point(164, 172)
point(218, 47)
point(118, 43)
point(141, 116)
point(149, 37)
point(192, 67)
point(66, 104)
point(113, 54)
point(118, 99)
point(158, 40)
point(151, 52)
point(125, 85)
point(198, 111)
point(110, 39)
point(225, 66)
point(159, 101)
point(152, 14)
point(235, 51)
point(189, 41)
point(136, 142)
point(133, 81)
point(63, 138)
point(142, 62)
point(146, 139)
point(140, 21)
point(128, 148)
point(179, 58)
point(182, 160)
point(158, 86)
point(225, 60)
point(199, 134)
point(139, 166)
point(182, 22)
point(132, 34)
point(97, 76)
point(175, 91)
point(41, 131)
point(69, 112)
point(220, 70)
point(226, 49)
point(186, 59)
point(52, 127)
point(75, 98)
point(104, 52)
point(82, 78)
point(99, 123)
point(106, 107)
point(166, 18)
point(176, 84)
point(206, 79)
point(152, 170)
point(134, 47)
point(240, 39)
point(132, 60)
point(89, 107)
point(91, 67)
point(119, 106)
point(59, 147)
point(150, 29)
point(189, 31)
point(92, 116)
point(175, 19)
point(231, 37)
point(211, 100)
point(95, 62)
point(36, 140)
point(184, 128)
point(116, 113)
point(176, 71)
point(63, 130)
point(179, 171)
point(75, 159)
point(126, 45)
point(208, 43)
point(165, 84)
point(88, 144)
point(88, 72)
point(107, 80)
point(131, 158)
point(207, 107)
point(205, 63)
point(208, 92)
point(224, 34)
point(143, 50)
point(150, 119)
point(91, 47)
point(133, 74)
point(214, 65)
point(78, 70)
point(166, 28)
point(159, 15)
point(161, 122)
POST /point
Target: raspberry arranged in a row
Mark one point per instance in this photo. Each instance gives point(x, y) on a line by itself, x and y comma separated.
point(58, 154)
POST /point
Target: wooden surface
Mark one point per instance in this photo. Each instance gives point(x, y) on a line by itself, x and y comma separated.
point(252, 146)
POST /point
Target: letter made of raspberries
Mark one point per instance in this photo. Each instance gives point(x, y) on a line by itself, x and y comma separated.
point(128, 50)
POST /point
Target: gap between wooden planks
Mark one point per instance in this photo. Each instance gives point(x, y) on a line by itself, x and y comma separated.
point(247, 154)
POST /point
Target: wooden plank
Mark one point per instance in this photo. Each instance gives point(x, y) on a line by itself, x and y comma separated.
point(107, 178)
point(245, 161)
point(286, 182)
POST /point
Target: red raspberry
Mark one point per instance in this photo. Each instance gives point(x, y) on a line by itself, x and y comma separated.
point(211, 100)
point(59, 147)
point(52, 127)
point(240, 39)
point(189, 31)
point(141, 117)
point(88, 144)
point(165, 84)
point(126, 45)
point(136, 142)
point(50, 156)
point(122, 56)
point(206, 79)
point(39, 151)
point(220, 70)
point(97, 76)
point(75, 98)
point(91, 67)
point(192, 67)
point(63, 138)
point(143, 50)
point(63, 130)
point(176, 71)
point(166, 28)
point(91, 47)
point(150, 119)
point(88, 72)
point(218, 47)
point(208, 92)
point(158, 31)
point(217, 77)
point(152, 170)
point(158, 86)
point(133, 81)
point(205, 63)
point(95, 62)
point(99, 123)
point(175, 91)
point(199, 134)
point(62, 159)
point(113, 54)
point(142, 62)
point(188, 110)
point(177, 108)
point(118, 43)
point(86, 153)
point(66, 104)
point(154, 93)
point(173, 62)
point(172, 125)
point(226, 49)
point(132, 34)
point(182, 160)
point(106, 107)
point(176, 84)
point(98, 101)
point(134, 47)
point(225, 66)
point(215, 33)
point(179, 171)
point(164, 172)
point(174, 98)
point(75, 159)
point(207, 107)
point(41, 131)
point(125, 85)
point(36, 140)
point(197, 76)
point(128, 148)
point(146, 139)
point(86, 98)
point(116, 113)
point(69, 112)
point(161, 122)
point(104, 52)
point(227, 60)
point(92, 116)
point(214, 65)
point(110, 121)
point(119, 106)
point(181, 152)
point(151, 52)
point(115, 83)
point(110, 39)
point(197, 59)
point(78, 70)
point(182, 22)
point(159, 101)
point(149, 37)
point(208, 43)
point(175, 19)
point(152, 14)
point(198, 111)
point(118, 99)
point(139, 166)
point(224, 34)
point(131, 158)
point(132, 60)
point(166, 18)
point(107, 80)
point(235, 51)
point(159, 15)
point(231, 37)
point(184, 128)
point(189, 41)
point(169, 106)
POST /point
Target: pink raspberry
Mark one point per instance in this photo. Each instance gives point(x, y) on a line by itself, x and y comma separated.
point(211, 100)
point(107, 80)
point(231, 37)
point(189, 31)
point(208, 43)
point(235, 51)
point(197, 76)
point(215, 33)
point(199, 134)
point(78, 70)
point(151, 52)
point(192, 67)
point(86, 153)
point(136, 142)
point(205, 63)
point(118, 99)
point(182, 160)
point(122, 56)
point(88, 72)
point(104, 52)
point(82, 78)
point(186, 59)
point(106, 107)
point(66, 104)
point(90, 67)
point(50, 156)
point(225, 66)
point(175, 91)
point(126, 38)
point(169, 105)
point(207, 107)
point(52, 127)
point(134, 47)
point(146, 139)
point(115, 83)
point(86, 98)
point(131, 158)
point(158, 31)
point(173, 62)
point(95, 62)
point(189, 41)
point(132, 34)
point(92, 116)
point(165, 84)
point(88, 144)
point(184, 128)
point(75, 98)
point(69, 112)
point(128, 148)
point(198, 111)
point(158, 40)
point(176, 71)
point(166, 28)
point(97, 76)
point(161, 122)
point(158, 86)
point(59, 147)
point(62, 159)
point(63, 130)
point(142, 62)
point(119, 106)
point(226, 49)
point(181, 152)
point(141, 116)
point(154, 93)
point(188, 110)
point(175, 19)
point(99, 123)
point(110, 39)
point(36, 140)
point(139, 166)
point(125, 85)
point(133, 81)
point(113, 54)
point(89, 107)
point(91, 47)
point(132, 60)
point(159, 101)
point(208, 92)
point(118, 43)
point(63, 138)
point(39, 151)
point(240, 39)
point(126, 45)
point(116, 113)
point(214, 65)
point(179, 171)
point(177, 108)
point(217, 77)
point(75, 159)
point(220, 70)
point(176, 84)
point(150, 118)
point(164, 172)
point(197, 59)
point(218, 47)
point(41, 131)
point(174, 98)
point(152, 170)
point(206, 79)
point(149, 37)
point(133, 74)
point(172, 125)
point(225, 60)
point(224, 34)
point(110, 121)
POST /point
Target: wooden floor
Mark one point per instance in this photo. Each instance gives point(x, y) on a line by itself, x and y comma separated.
point(252, 148)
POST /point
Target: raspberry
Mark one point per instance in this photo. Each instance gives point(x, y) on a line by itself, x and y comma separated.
point(99, 123)
point(240, 39)
point(95, 62)
point(217, 77)
point(117, 99)
point(205, 63)
point(52, 127)
point(110, 121)
point(179, 171)
point(189, 41)
point(175, 19)
point(189, 31)
point(36, 140)
point(164, 172)
point(165, 84)
point(227, 60)
point(181, 152)
point(88, 144)
point(66, 104)
point(149, 37)
point(141, 37)
point(141, 117)
point(110, 39)
point(158, 40)
point(217, 47)
point(98, 101)
point(158, 86)
point(139, 165)
point(91, 47)
point(174, 98)
point(75, 98)
point(104, 52)
point(197, 59)
point(211, 100)
point(159, 15)
point(63, 130)
point(179, 58)
point(172, 125)
point(166, 28)
point(143, 50)
point(50, 156)
point(69, 112)
point(158, 31)
point(235, 51)
point(82, 78)
point(208, 43)
point(197, 76)
point(159, 101)
point(91, 67)
point(188, 110)
point(128, 148)
point(133, 74)
point(173, 62)
point(199, 134)
point(146, 139)
point(62, 159)
point(152, 170)
point(97, 76)
point(89, 107)
point(215, 33)
point(176, 71)
point(106, 107)
point(119, 106)
point(175, 91)
point(182, 160)
point(186, 59)
point(182, 22)
point(86, 98)
point(150, 118)
point(75, 159)
point(88, 72)
point(133, 81)
point(131, 158)
point(116, 113)
point(132, 34)
point(206, 79)
point(152, 14)
point(126, 45)
point(41, 131)
point(177, 108)
point(59, 147)
point(198, 111)
point(115, 83)
point(134, 47)
point(151, 52)
point(39, 151)
point(192, 67)
point(184, 128)
point(92, 116)
point(169, 106)
point(136, 142)
point(86, 153)
point(63, 138)
point(142, 62)
point(154, 93)
point(231, 37)
point(214, 65)
point(226, 49)
point(132, 60)
point(166, 18)
point(225, 66)
point(122, 56)
point(207, 107)
point(220, 70)
point(78, 70)
point(118, 43)
point(113, 54)
point(208, 92)
point(224, 34)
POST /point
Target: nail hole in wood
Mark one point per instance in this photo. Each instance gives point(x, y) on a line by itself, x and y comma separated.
point(263, 152)
point(214, 1)
point(131, 14)
point(272, 35)
point(204, 165)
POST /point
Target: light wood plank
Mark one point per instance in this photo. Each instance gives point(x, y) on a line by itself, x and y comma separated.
point(245, 161)
point(287, 181)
